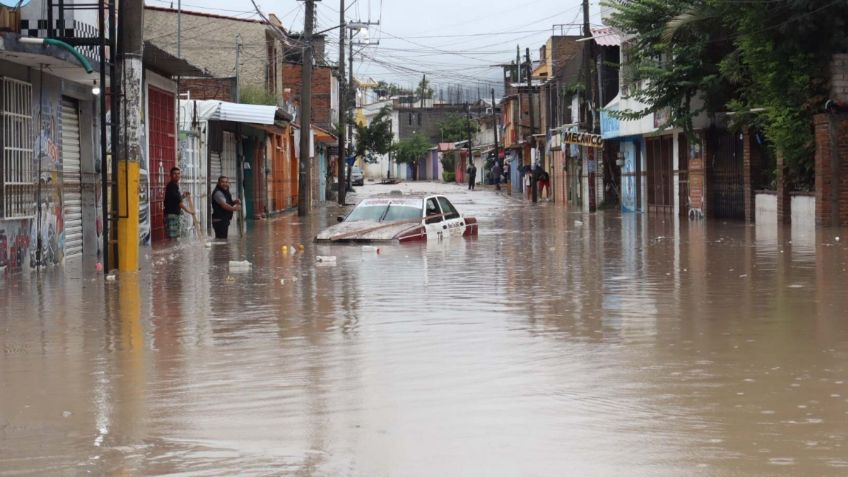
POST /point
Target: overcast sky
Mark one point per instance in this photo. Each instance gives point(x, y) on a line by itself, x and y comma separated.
point(455, 42)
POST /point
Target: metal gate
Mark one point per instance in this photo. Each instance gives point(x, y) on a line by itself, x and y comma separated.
point(229, 168)
point(71, 178)
point(683, 173)
point(659, 152)
point(161, 108)
point(229, 165)
point(725, 183)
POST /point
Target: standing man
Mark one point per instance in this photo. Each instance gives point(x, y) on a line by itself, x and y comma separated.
point(223, 206)
point(472, 175)
point(496, 174)
point(174, 204)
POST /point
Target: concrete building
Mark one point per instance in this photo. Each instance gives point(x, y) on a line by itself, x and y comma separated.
point(49, 151)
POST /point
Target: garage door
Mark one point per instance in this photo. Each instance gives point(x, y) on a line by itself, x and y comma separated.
point(162, 153)
point(71, 178)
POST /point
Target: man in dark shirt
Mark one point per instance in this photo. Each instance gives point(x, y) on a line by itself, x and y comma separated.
point(223, 206)
point(174, 204)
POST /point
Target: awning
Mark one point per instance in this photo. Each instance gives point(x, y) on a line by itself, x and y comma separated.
point(324, 136)
point(606, 36)
point(214, 110)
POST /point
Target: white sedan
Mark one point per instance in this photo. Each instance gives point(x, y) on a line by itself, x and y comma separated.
point(401, 219)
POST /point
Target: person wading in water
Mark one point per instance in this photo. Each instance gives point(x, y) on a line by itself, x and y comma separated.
point(223, 206)
point(174, 204)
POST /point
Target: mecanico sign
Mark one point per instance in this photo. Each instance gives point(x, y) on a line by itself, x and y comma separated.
point(583, 139)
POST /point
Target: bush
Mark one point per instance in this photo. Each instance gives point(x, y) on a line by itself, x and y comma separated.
point(448, 176)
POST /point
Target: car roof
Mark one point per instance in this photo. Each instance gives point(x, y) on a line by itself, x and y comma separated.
point(411, 199)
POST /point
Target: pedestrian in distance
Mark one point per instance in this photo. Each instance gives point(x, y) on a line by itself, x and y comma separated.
point(496, 174)
point(174, 204)
point(472, 175)
point(223, 206)
point(544, 184)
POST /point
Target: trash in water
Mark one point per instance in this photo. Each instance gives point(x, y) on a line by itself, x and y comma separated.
point(98, 266)
point(300, 247)
point(325, 258)
point(111, 277)
point(370, 248)
point(239, 266)
point(578, 223)
point(284, 249)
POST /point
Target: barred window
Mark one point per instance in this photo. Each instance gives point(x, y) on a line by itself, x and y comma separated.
point(16, 162)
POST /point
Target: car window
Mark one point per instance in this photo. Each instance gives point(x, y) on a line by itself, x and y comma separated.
point(433, 209)
point(368, 212)
point(402, 212)
point(448, 209)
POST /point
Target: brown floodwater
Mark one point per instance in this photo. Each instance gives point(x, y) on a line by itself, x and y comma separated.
point(555, 343)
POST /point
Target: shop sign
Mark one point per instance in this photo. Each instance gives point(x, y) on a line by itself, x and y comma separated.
point(583, 139)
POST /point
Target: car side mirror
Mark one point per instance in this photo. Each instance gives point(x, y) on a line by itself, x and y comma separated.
point(340, 218)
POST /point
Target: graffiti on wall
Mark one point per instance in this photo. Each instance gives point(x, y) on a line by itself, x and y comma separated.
point(47, 230)
point(14, 244)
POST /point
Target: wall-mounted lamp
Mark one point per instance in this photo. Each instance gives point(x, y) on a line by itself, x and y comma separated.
point(95, 90)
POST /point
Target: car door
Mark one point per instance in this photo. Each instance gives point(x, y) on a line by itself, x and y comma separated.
point(454, 224)
point(434, 221)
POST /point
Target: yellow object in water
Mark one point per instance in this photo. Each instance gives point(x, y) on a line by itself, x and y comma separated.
point(300, 247)
point(285, 250)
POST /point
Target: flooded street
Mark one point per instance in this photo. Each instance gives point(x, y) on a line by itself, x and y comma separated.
point(555, 343)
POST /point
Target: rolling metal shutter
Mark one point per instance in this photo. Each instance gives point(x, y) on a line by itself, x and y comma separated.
point(71, 178)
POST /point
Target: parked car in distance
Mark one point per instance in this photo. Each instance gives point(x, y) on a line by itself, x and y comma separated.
point(357, 178)
point(401, 219)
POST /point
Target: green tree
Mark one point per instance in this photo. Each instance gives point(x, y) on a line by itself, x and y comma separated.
point(765, 60)
point(391, 89)
point(250, 94)
point(375, 139)
point(455, 128)
point(424, 90)
point(411, 150)
point(673, 70)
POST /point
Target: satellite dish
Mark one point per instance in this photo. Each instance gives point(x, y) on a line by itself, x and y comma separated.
point(14, 3)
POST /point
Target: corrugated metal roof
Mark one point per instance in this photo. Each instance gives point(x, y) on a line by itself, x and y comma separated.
point(606, 36)
point(213, 110)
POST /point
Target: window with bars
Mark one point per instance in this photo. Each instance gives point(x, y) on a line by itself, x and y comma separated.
point(16, 174)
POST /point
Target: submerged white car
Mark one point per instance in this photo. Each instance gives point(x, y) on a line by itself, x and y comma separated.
point(401, 219)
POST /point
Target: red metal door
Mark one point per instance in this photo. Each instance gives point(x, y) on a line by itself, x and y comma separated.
point(163, 142)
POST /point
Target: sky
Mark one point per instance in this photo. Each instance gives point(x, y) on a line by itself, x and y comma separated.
point(454, 42)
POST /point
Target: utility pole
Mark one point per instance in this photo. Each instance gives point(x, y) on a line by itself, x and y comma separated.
point(341, 186)
point(129, 150)
point(304, 192)
point(179, 27)
point(350, 107)
point(495, 117)
point(534, 174)
point(238, 67)
point(589, 114)
point(423, 86)
point(468, 131)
